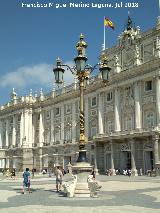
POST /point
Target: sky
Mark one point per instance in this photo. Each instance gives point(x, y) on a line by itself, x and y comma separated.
point(32, 38)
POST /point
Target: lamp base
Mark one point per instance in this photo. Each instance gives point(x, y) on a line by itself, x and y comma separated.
point(82, 156)
point(82, 169)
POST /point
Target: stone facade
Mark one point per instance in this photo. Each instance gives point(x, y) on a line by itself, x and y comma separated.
point(122, 119)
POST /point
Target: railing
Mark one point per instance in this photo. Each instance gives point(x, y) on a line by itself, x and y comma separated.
point(3, 147)
point(124, 132)
point(46, 144)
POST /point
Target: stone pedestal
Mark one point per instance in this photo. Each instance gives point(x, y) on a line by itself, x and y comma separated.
point(27, 159)
point(82, 170)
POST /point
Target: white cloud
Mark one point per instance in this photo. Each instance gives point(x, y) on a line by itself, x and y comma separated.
point(28, 76)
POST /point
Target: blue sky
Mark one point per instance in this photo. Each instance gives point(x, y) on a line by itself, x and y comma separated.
point(32, 38)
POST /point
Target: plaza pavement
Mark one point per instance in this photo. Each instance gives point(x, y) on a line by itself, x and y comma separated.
point(118, 194)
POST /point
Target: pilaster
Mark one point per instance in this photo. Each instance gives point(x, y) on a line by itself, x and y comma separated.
point(52, 126)
point(21, 128)
point(30, 133)
point(1, 133)
point(117, 110)
point(112, 159)
point(156, 148)
point(25, 129)
point(158, 100)
point(7, 132)
point(62, 123)
point(41, 129)
point(100, 113)
point(133, 164)
point(14, 131)
point(138, 114)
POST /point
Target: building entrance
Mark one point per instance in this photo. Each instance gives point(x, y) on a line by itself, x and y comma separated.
point(125, 160)
point(148, 160)
point(108, 161)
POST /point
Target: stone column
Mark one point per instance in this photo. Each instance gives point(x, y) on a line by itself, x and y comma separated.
point(30, 128)
point(21, 128)
point(158, 100)
point(133, 164)
point(156, 149)
point(52, 126)
point(62, 124)
point(86, 117)
point(73, 122)
point(95, 159)
point(112, 159)
point(1, 134)
point(100, 114)
point(33, 128)
point(25, 128)
point(7, 132)
point(117, 111)
point(14, 131)
point(138, 115)
point(41, 129)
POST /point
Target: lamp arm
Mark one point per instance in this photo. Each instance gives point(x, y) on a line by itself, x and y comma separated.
point(89, 67)
point(68, 67)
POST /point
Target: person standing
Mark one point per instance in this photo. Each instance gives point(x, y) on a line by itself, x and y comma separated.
point(26, 180)
point(59, 177)
point(13, 174)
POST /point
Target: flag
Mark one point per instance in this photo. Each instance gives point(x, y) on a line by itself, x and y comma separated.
point(108, 23)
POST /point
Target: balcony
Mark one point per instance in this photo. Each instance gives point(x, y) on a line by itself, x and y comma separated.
point(3, 147)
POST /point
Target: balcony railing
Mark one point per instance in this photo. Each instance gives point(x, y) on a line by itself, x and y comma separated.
point(3, 147)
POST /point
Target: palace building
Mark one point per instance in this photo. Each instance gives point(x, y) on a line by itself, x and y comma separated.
point(122, 118)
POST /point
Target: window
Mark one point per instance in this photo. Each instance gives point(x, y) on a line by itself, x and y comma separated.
point(109, 96)
point(45, 161)
point(57, 111)
point(94, 101)
point(128, 92)
point(148, 85)
point(47, 114)
point(93, 131)
point(68, 134)
point(149, 120)
point(68, 108)
point(128, 123)
point(57, 135)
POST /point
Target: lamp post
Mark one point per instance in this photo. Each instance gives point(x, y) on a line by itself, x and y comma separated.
point(82, 71)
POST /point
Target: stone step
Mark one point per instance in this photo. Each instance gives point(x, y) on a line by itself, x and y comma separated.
point(82, 186)
point(82, 195)
point(82, 191)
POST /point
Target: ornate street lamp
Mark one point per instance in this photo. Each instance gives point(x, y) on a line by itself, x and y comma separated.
point(82, 71)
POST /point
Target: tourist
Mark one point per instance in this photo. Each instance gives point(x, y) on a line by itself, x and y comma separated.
point(13, 174)
point(26, 180)
point(59, 177)
point(63, 172)
point(93, 174)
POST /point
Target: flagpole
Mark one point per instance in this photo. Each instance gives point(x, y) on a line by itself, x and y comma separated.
point(104, 44)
